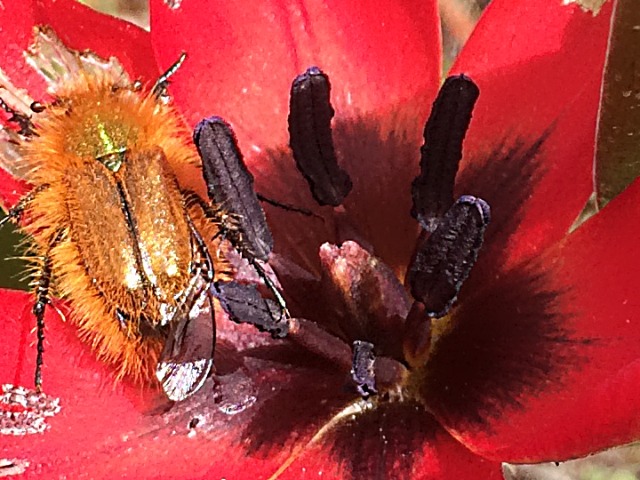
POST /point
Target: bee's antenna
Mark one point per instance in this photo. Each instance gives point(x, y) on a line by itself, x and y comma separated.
point(160, 87)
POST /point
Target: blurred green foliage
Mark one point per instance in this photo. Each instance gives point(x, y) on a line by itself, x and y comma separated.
point(12, 269)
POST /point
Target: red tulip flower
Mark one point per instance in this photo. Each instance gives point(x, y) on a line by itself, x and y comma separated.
point(536, 360)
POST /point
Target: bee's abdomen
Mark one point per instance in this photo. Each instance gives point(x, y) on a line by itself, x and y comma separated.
point(131, 232)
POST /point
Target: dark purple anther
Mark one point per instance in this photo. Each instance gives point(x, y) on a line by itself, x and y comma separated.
point(432, 190)
point(362, 370)
point(444, 260)
point(230, 185)
point(311, 141)
point(244, 304)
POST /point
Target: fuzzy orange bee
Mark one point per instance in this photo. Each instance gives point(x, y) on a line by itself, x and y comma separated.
point(134, 251)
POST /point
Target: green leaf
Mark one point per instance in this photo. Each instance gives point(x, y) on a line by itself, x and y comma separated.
point(617, 158)
point(12, 268)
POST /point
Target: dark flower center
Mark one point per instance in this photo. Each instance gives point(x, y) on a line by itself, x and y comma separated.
point(374, 327)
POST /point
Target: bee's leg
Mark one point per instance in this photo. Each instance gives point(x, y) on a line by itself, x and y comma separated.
point(42, 283)
point(42, 299)
point(234, 202)
point(287, 206)
point(27, 128)
point(15, 212)
point(160, 87)
point(232, 234)
point(284, 312)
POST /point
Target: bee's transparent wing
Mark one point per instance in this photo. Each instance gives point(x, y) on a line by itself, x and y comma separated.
point(187, 357)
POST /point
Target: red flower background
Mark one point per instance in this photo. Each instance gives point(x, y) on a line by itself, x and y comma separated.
point(543, 364)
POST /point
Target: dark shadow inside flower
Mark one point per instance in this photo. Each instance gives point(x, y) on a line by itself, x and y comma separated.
point(506, 343)
point(308, 407)
point(384, 440)
point(507, 331)
point(505, 179)
point(341, 267)
point(381, 156)
point(272, 393)
point(383, 160)
point(305, 399)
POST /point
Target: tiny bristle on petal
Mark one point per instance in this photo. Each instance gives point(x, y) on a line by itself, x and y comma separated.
point(311, 140)
point(443, 261)
point(230, 184)
point(432, 189)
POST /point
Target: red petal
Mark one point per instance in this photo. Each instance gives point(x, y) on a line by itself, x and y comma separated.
point(10, 189)
point(243, 59)
point(544, 365)
point(244, 430)
point(539, 68)
point(87, 413)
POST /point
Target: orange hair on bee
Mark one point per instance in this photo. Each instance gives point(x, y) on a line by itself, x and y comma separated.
point(80, 221)
point(70, 127)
